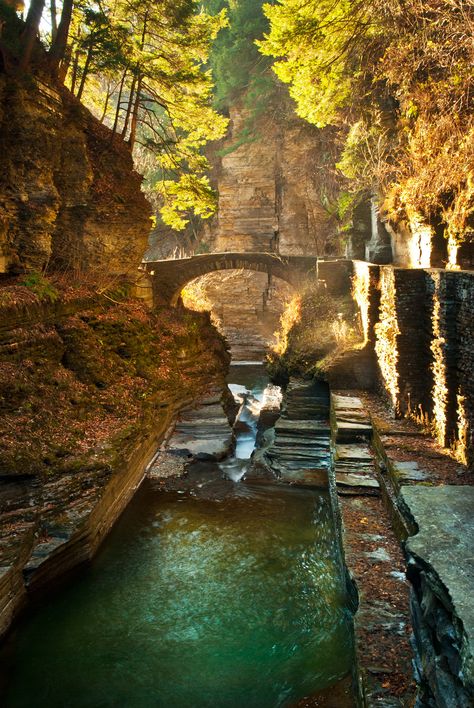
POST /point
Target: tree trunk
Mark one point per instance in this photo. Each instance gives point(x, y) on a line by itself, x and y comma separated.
point(119, 101)
point(58, 48)
point(64, 67)
point(106, 104)
point(136, 106)
point(30, 32)
point(54, 21)
point(129, 107)
point(85, 71)
point(75, 66)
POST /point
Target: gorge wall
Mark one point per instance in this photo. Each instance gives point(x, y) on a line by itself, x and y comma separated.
point(419, 324)
point(90, 379)
point(88, 389)
point(272, 186)
point(69, 197)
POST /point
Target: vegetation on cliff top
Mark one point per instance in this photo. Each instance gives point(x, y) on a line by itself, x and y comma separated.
point(141, 68)
point(315, 329)
point(397, 80)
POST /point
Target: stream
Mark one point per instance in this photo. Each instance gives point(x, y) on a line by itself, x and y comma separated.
point(213, 592)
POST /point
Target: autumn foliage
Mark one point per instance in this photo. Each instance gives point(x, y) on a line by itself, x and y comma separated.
point(396, 78)
point(76, 392)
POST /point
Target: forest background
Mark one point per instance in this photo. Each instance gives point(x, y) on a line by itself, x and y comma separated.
point(393, 78)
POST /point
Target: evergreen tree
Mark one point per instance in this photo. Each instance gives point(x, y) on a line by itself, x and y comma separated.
point(238, 67)
point(142, 68)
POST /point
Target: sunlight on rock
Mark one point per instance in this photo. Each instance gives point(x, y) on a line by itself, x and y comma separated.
point(387, 332)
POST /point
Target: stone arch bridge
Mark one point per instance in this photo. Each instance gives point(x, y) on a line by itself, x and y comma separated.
point(170, 276)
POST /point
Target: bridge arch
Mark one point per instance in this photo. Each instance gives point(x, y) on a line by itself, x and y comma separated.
point(170, 277)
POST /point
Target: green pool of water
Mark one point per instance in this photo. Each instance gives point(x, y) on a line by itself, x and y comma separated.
point(220, 594)
point(193, 602)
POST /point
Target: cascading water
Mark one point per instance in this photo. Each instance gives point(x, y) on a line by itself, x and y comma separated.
point(252, 395)
point(209, 594)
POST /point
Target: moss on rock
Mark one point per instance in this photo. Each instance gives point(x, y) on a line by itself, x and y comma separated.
point(79, 392)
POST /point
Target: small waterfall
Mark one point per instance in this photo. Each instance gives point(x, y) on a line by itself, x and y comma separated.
point(253, 400)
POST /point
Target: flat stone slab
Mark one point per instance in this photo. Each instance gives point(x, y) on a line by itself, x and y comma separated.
point(380, 554)
point(287, 441)
point(346, 402)
point(204, 413)
point(356, 480)
point(409, 472)
point(203, 432)
point(347, 430)
point(307, 477)
point(351, 468)
point(444, 545)
point(353, 453)
point(304, 427)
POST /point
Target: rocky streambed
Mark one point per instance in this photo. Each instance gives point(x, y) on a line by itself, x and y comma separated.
point(261, 537)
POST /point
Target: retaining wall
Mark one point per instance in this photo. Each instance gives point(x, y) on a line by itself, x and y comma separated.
point(421, 324)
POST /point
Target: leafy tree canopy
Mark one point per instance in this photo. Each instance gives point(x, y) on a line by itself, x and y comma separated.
point(396, 78)
point(142, 68)
point(238, 67)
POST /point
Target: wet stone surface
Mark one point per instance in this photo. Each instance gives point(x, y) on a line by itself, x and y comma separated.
point(203, 432)
point(299, 452)
point(441, 568)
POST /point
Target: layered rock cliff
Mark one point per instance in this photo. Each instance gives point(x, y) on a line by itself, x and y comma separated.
point(274, 184)
point(88, 389)
point(272, 195)
point(69, 197)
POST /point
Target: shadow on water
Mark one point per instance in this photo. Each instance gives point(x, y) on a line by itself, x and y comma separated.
point(210, 593)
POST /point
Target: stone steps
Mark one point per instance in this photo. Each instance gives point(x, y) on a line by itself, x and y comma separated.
point(203, 432)
point(300, 453)
point(354, 466)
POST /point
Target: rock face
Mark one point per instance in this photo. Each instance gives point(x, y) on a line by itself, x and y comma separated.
point(420, 323)
point(300, 450)
point(88, 390)
point(69, 197)
point(441, 569)
point(202, 432)
point(247, 308)
point(270, 199)
point(270, 195)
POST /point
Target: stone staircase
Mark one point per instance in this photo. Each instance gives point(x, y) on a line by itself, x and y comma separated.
point(354, 464)
point(301, 449)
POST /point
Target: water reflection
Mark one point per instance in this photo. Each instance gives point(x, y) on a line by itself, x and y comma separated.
point(195, 602)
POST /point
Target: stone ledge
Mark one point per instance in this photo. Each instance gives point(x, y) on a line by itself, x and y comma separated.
point(74, 542)
point(441, 569)
point(435, 523)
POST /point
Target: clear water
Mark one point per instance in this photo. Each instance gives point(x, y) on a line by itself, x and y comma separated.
point(227, 596)
point(252, 382)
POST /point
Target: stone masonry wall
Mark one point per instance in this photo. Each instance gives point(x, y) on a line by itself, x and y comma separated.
point(424, 329)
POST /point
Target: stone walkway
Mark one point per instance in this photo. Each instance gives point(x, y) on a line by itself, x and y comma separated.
point(430, 498)
point(374, 560)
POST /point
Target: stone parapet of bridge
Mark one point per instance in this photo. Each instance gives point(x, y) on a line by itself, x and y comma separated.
point(170, 276)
